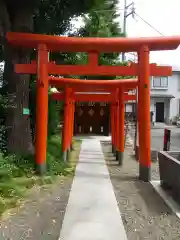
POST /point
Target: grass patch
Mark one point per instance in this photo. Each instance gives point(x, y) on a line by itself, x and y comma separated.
point(74, 155)
point(17, 173)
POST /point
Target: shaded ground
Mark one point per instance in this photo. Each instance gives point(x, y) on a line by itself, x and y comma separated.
point(144, 214)
point(41, 216)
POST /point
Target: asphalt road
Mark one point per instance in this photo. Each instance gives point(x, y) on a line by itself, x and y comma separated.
point(157, 138)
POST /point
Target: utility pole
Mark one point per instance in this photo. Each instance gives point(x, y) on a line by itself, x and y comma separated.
point(126, 15)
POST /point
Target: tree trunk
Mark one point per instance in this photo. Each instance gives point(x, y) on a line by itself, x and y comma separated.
point(4, 24)
point(4, 28)
point(18, 125)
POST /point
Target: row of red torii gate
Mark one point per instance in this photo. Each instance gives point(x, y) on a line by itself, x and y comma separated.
point(115, 92)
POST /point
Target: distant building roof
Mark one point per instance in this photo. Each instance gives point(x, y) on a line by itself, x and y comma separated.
point(156, 95)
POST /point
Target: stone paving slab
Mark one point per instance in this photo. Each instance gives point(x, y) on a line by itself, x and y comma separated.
point(92, 212)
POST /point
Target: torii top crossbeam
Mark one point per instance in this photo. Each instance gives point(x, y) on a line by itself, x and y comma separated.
point(77, 44)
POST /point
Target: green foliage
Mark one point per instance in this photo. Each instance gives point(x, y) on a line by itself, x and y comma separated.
point(55, 166)
point(13, 166)
point(54, 16)
point(101, 24)
point(54, 116)
point(17, 173)
point(38, 16)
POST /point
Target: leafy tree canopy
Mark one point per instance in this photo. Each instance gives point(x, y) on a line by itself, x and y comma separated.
point(101, 23)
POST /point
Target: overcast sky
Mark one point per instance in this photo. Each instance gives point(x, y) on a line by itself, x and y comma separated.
point(164, 15)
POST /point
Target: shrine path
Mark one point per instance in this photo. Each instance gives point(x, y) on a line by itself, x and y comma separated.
point(92, 211)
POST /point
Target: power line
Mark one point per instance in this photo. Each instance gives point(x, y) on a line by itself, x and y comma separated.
point(108, 10)
point(121, 9)
point(133, 12)
point(148, 24)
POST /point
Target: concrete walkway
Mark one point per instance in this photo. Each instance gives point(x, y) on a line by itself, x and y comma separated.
point(92, 212)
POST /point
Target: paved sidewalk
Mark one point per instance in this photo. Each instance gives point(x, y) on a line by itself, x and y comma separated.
point(92, 211)
point(163, 126)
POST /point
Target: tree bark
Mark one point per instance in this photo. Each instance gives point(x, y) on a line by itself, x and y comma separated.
point(4, 22)
point(18, 125)
point(4, 28)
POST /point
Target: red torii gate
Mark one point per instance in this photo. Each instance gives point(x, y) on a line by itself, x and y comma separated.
point(111, 97)
point(94, 46)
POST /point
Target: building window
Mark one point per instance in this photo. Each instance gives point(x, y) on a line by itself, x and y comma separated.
point(160, 82)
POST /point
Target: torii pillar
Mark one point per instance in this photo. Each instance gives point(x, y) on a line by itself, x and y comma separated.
point(72, 124)
point(118, 135)
point(144, 114)
point(67, 122)
point(112, 126)
point(120, 129)
point(41, 109)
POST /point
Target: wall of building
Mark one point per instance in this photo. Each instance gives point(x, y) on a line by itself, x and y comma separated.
point(171, 105)
point(174, 89)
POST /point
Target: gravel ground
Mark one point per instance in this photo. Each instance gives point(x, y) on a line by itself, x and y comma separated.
point(144, 213)
point(41, 217)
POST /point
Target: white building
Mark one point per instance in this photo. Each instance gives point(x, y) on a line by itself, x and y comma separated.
point(165, 97)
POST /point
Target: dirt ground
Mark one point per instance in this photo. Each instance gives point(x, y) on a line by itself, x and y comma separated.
point(144, 213)
point(40, 217)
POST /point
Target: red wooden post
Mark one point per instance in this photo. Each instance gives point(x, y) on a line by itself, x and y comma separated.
point(93, 59)
point(111, 119)
point(72, 125)
point(41, 109)
point(144, 114)
point(65, 137)
point(120, 154)
point(69, 127)
point(113, 122)
point(117, 125)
